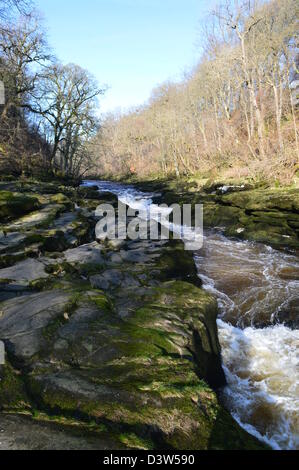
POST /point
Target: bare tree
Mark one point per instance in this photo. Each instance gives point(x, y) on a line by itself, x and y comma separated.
point(65, 103)
point(232, 114)
point(23, 51)
point(8, 8)
point(242, 20)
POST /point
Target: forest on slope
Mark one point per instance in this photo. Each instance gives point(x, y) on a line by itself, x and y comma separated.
point(48, 110)
point(234, 115)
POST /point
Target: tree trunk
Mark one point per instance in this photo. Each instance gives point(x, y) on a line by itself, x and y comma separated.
point(260, 124)
point(217, 127)
point(203, 132)
point(278, 112)
point(293, 112)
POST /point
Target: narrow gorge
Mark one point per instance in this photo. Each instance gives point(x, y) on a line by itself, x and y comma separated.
point(114, 344)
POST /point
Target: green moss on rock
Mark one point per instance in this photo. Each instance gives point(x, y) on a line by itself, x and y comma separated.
point(13, 205)
point(177, 263)
point(282, 199)
point(12, 390)
point(62, 199)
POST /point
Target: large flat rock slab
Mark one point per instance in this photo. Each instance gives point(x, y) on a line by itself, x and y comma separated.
point(123, 343)
point(34, 219)
point(14, 204)
point(21, 433)
point(24, 272)
point(22, 321)
point(113, 278)
point(10, 240)
point(65, 220)
point(90, 253)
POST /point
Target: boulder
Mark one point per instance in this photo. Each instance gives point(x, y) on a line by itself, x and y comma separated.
point(16, 204)
point(23, 319)
point(22, 433)
point(113, 278)
point(139, 375)
point(125, 344)
point(24, 272)
point(264, 199)
point(10, 240)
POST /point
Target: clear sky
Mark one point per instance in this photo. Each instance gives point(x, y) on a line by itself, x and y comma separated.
point(130, 45)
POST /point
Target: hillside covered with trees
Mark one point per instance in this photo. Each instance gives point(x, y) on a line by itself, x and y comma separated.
point(234, 115)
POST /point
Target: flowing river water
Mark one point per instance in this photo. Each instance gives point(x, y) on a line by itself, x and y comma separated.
point(257, 291)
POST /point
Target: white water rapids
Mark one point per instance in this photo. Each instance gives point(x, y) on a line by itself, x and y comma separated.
point(257, 292)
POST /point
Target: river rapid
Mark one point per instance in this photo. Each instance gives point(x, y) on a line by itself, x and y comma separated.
point(257, 291)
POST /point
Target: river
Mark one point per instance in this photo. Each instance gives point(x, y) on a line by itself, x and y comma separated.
point(257, 290)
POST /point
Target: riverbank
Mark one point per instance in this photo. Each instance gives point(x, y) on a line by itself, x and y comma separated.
point(116, 340)
point(242, 210)
point(257, 291)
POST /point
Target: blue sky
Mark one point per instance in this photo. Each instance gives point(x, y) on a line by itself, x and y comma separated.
point(130, 45)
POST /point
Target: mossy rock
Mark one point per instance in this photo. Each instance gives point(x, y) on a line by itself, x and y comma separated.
point(12, 390)
point(89, 192)
point(261, 214)
point(115, 385)
point(13, 205)
point(143, 375)
point(273, 218)
point(54, 241)
point(215, 215)
point(281, 199)
point(177, 263)
point(62, 199)
point(152, 414)
point(275, 236)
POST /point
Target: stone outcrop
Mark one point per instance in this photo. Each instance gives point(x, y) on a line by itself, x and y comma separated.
point(266, 215)
point(117, 341)
point(15, 204)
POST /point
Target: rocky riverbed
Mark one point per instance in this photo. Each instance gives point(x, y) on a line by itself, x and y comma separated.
point(256, 285)
point(109, 345)
point(243, 211)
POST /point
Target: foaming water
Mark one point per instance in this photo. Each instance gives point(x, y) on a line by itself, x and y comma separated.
point(255, 284)
point(261, 368)
point(257, 292)
point(143, 203)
